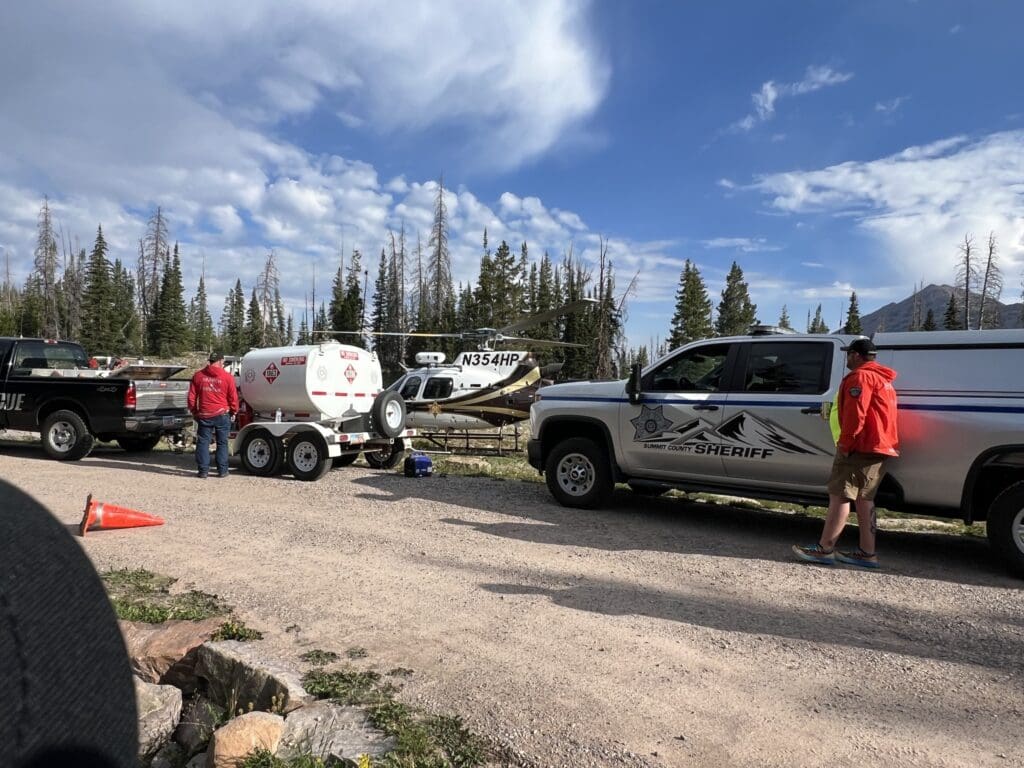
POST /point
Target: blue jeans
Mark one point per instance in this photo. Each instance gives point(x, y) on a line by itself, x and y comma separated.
point(205, 429)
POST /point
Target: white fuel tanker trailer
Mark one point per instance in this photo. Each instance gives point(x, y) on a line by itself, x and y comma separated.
point(315, 407)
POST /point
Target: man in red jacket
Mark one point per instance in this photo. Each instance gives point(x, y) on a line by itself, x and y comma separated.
point(867, 437)
point(212, 400)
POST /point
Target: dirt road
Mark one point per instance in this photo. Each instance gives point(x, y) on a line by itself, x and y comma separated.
point(655, 633)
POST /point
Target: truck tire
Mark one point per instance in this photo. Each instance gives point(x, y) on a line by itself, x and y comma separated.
point(578, 474)
point(139, 444)
point(307, 456)
point(346, 459)
point(386, 458)
point(65, 436)
point(387, 416)
point(1005, 527)
point(262, 454)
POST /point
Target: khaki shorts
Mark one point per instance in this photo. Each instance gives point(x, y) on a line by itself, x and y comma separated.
point(856, 476)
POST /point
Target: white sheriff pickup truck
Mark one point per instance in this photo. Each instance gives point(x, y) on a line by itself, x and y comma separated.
point(748, 416)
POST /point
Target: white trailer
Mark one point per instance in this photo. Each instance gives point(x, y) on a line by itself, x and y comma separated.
point(317, 406)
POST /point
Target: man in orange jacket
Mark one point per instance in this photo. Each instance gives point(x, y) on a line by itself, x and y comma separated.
point(212, 400)
point(867, 437)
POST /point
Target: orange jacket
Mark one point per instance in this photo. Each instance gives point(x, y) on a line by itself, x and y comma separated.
point(867, 411)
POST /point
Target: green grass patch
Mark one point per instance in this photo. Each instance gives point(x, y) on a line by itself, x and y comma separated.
point(233, 629)
point(357, 652)
point(514, 467)
point(139, 595)
point(319, 658)
point(423, 740)
point(262, 758)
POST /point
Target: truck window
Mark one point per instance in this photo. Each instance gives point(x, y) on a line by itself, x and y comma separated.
point(410, 388)
point(800, 368)
point(39, 354)
point(695, 370)
point(437, 387)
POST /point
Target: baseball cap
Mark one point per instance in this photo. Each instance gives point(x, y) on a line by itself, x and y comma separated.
point(215, 356)
point(863, 347)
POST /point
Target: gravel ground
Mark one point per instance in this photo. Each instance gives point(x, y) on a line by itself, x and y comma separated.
point(654, 633)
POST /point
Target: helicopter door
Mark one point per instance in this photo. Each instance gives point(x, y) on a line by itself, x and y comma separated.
point(438, 388)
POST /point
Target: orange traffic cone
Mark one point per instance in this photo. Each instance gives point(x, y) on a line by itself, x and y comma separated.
point(98, 516)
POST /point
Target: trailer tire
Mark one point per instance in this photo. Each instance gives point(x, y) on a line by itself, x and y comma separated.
point(138, 444)
point(65, 436)
point(387, 416)
point(386, 458)
point(1005, 527)
point(307, 456)
point(346, 459)
point(578, 474)
point(262, 454)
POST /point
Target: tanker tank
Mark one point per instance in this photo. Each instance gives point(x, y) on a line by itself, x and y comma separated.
point(319, 382)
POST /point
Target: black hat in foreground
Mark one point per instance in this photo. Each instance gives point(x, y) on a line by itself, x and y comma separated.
point(863, 347)
point(215, 356)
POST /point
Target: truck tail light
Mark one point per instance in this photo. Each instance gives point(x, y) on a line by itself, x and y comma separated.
point(130, 397)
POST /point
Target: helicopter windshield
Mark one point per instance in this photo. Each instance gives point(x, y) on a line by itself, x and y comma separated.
point(437, 387)
point(410, 387)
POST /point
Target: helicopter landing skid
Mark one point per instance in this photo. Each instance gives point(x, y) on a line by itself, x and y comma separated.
point(495, 442)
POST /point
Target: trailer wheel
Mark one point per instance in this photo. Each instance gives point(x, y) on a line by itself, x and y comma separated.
point(262, 454)
point(578, 475)
point(387, 416)
point(344, 460)
point(386, 458)
point(1005, 527)
point(65, 436)
point(134, 444)
point(307, 456)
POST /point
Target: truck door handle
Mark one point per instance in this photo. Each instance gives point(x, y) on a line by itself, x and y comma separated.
point(812, 409)
point(705, 407)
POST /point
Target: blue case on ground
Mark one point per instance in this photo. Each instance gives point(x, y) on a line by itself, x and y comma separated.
point(418, 465)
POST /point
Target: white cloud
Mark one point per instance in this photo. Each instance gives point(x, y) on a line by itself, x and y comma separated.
point(815, 78)
point(919, 202)
point(744, 244)
point(890, 106)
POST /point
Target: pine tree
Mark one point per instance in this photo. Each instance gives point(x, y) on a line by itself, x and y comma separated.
point(42, 285)
point(200, 322)
point(254, 323)
point(929, 321)
point(817, 325)
point(853, 324)
point(154, 256)
point(692, 319)
point(98, 300)
point(439, 290)
point(232, 322)
point(784, 321)
point(172, 333)
point(736, 313)
point(951, 320)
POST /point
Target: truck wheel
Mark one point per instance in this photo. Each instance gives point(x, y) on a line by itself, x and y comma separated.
point(578, 475)
point(344, 460)
point(387, 416)
point(1005, 527)
point(65, 436)
point(307, 457)
point(138, 444)
point(386, 458)
point(262, 454)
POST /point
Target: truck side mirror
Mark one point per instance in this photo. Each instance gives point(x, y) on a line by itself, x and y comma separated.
point(633, 384)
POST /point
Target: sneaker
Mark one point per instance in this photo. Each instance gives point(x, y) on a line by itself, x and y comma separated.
point(814, 554)
point(858, 557)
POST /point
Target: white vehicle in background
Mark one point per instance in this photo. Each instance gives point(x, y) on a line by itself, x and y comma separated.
point(313, 407)
point(743, 416)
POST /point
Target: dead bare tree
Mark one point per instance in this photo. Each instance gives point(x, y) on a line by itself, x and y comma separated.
point(991, 287)
point(967, 275)
point(268, 286)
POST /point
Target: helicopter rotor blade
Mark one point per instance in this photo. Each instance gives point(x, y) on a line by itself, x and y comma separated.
point(542, 317)
point(537, 342)
point(397, 333)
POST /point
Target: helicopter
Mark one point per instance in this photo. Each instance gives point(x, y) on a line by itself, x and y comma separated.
point(483, 388)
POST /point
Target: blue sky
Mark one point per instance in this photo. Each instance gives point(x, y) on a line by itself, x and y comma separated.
point(825, 147)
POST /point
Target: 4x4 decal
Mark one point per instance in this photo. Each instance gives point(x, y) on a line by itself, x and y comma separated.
point(744, 435)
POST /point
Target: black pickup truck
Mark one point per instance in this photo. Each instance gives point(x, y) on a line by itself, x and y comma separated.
point(49, 387)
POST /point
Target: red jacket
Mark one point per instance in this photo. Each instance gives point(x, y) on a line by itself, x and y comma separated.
point(212, 392)
point(867, 411)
